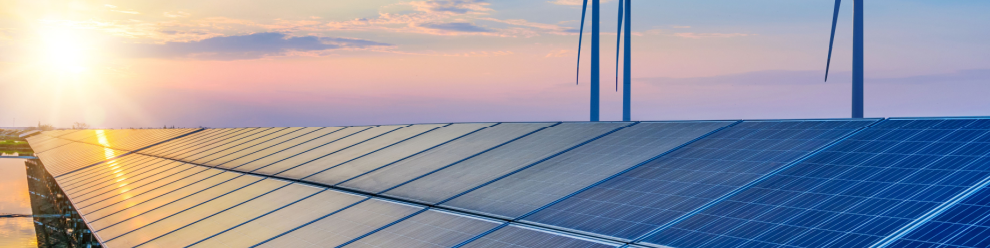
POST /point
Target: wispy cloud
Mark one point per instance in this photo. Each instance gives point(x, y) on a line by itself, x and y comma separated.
point(248, 46)
point(452, 6)
point(457, 26)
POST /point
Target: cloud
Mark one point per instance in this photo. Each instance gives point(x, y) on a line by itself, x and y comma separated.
point(457, 26)
point(250, 46)
point(452, 6)
point(710, 35)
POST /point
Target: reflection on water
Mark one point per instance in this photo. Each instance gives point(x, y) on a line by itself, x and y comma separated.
point(15, 199)
point(17, 232)
point(57, 223)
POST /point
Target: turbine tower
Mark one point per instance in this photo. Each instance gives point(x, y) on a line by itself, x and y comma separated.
point(595, 55)
point(625, 17)
point(857, 72)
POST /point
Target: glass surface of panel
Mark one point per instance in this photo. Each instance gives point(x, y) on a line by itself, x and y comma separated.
point(427, 229)
point(197, 137)
point(122, 171)
point(76, 156)
point(260, 144)
point(230, 138)
point(301, 149)
point(642, 199)
point(967, 224)
point(275, 149)
point(283, 220)
point(395, 153)
point(574, 170)
point(207, 226)
point(129, 190)
point(172, 215)
point(331, 148)
point(80, 177)
point(173, 190)
point(433, 159)
point(520, 237)
point(851, 194)
point(216, 182)
point(234, 146)
point(463, 176)
point(125, 183)
point(358, 150)
point(346, 225)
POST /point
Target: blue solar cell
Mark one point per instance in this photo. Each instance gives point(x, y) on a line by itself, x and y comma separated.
point(653, 194)
point(849, 195)
point(966, 224)
point(574, 170)
point(520, 237)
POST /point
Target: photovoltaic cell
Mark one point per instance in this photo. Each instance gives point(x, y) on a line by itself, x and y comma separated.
point(228, 139)
point(262, 206)
point(346, 225)
point(850, 195)
point(364, 135)
point(161, 221)
point(460, 177)
point(271, 150)
point(537, 186)
point(653, 194)
point(967, 224)
point(291, 153)
point(234, 146)
point(281, 221)
point(427, 229)
point(356, 151)
point(261, 144)
point(520, 237)
point(134, 203)
point(395, 153)
point(433, 159)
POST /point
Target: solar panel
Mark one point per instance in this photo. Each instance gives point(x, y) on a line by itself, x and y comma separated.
point(75, 156)
point(287, 218)
point(364, 135)
point(291, 153)
point(395, 153)
point(433, 159)
point(137, 202)
point(967, 224)
point(463, 176)
point(153, 224)
point(234, 146)
point(270, 150)
point(519, 237)
point(254, 147)
point(228, 138)
point(635, 202)
point(427, 229)
point(346, 225)
point(357, 150)
point(124, 189)
point(537, 186)
point(288, 197)
point(185, 141)
point(852, 194)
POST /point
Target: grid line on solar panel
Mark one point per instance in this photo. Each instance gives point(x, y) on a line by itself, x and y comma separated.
point(250, 146)
point(113, 205)
point(159, 142)
point(232, 146)
point(852, 194)
point(383, 227)
point(227, 137)
point(429, 228)
point(234, 216)
point(371, 146)
point(517, 236)
point(440, 185)
point(530, 189)
point(397, 152)
point(965, 224)
point(278, 148)
point(642, 199)
point(364, 135)
point(385, 178)
point(174, 222)
point(343, 226)
point(204, 136)
point(303, 148)
point(180, 171)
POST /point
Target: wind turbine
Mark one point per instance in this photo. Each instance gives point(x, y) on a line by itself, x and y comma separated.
point(625, 11)
point(857, 80)
point(595, 56)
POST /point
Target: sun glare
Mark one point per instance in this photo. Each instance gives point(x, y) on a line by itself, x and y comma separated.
point(64, 50)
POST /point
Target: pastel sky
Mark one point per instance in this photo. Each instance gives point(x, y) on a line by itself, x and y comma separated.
point(235, 63)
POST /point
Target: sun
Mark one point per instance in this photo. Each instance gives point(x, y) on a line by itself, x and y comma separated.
point(64, 51)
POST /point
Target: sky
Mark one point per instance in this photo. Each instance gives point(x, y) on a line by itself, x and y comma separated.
point(248, 63)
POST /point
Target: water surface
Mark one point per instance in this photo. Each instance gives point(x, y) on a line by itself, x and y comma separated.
point(15, 199)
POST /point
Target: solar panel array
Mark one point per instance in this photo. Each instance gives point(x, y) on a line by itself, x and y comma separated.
point(794, 183)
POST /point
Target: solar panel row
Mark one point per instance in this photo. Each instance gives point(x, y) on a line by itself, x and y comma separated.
point(803, 183)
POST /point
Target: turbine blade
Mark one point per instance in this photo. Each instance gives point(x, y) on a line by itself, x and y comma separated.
point(831, 41)
point(584, 10)
point(618, 44)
